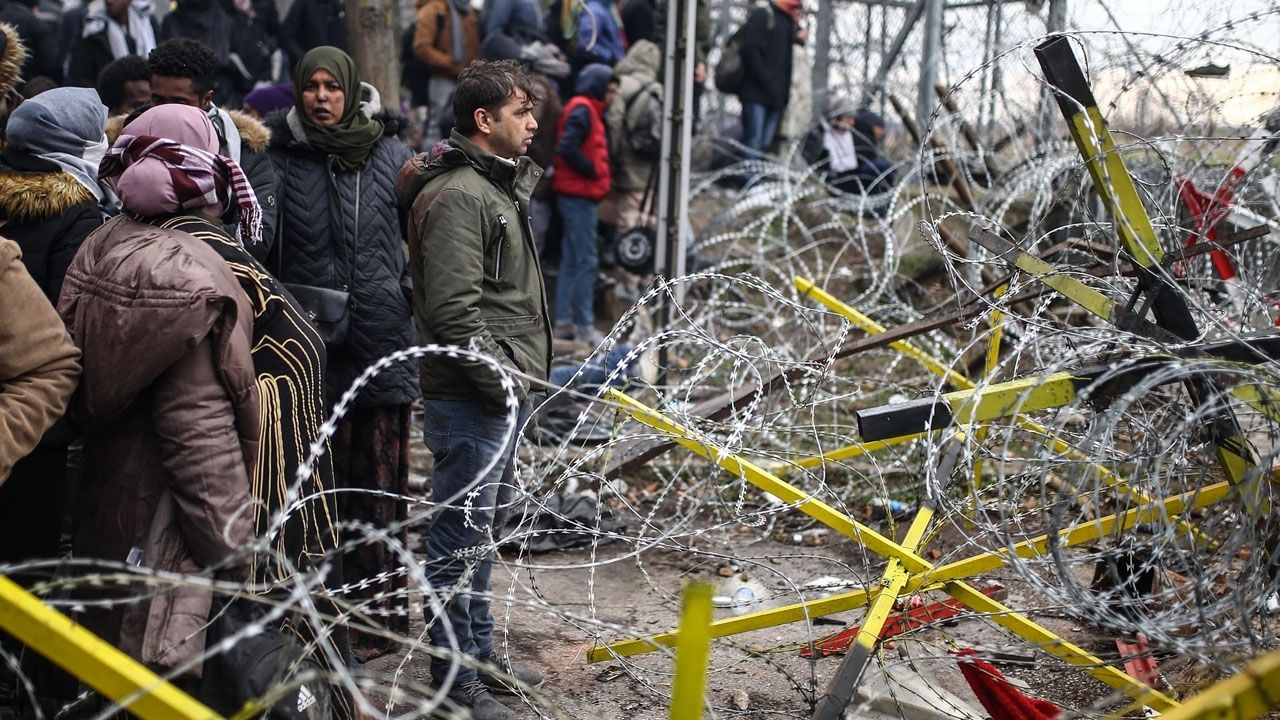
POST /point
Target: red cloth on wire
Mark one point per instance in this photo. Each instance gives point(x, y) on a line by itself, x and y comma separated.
point(1001, 700)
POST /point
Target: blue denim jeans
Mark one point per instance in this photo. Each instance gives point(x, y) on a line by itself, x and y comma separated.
point(465, 438)
point(579, 264)
point(759, 125)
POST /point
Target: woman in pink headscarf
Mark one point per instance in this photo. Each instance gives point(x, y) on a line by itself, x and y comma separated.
point(202, 392)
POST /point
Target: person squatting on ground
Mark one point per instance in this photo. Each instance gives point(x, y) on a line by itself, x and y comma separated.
point(476, 285)
point(582, 179)
point(336, 160)
point(845, 147)
point(168, 401)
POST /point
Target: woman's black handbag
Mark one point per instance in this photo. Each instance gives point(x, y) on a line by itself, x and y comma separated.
point(328, 309)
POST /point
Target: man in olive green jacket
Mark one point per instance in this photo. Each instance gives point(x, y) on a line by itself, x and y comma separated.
point(477, 286)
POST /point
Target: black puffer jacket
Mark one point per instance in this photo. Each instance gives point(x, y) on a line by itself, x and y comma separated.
point(767, 49)
point(343, 230)
point(48, 213)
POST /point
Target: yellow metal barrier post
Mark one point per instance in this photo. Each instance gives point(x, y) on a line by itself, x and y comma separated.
point(117, 676)
point(693, 652)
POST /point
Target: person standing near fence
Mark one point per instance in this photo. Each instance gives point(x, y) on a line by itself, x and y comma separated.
point(476, 285)
point(582, 179)
point(339, 232)
point(770, 32)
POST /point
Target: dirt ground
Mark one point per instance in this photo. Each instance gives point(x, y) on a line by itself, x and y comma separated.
point(560, 604)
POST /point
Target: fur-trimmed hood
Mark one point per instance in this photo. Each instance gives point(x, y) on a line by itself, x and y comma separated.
point(12, 55)
point(32, 195)
point(254, 135)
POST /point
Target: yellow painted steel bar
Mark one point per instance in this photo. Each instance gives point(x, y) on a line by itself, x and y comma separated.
point(1051, 643)
point(1076, 535)
point(855, 450)
point(892, 582)
point(749, 622)
point(117, 676)
point(996, 322)
point(871, 327)
point(693, 652)
point(920, 583)
point(772, 484)
point(1250, 694)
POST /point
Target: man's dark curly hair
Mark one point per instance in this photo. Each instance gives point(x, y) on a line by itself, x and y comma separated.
point(489, 84)
point(113, 77)
point(185, 58)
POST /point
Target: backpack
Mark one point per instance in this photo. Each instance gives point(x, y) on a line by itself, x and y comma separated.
point(260, 664)
point(643, 126)
point(729, 71)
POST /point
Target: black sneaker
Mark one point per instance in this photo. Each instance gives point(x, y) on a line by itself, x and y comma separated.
point(473, 695)
point(501, 677)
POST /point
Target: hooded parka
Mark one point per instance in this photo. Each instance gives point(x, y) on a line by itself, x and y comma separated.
point(168, 405)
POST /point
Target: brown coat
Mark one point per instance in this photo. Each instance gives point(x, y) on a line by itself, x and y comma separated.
point(38, 367)
point(169, 406)
point(433, 38)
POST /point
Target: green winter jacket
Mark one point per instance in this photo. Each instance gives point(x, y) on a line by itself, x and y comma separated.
point(477, 283)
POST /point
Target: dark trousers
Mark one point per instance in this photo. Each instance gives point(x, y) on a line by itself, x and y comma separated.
point(473, 485)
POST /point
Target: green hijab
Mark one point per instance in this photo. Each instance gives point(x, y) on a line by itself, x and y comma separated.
point(352, 139)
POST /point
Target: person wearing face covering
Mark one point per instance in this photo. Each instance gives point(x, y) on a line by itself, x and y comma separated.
point(49, 203)
point(338, 227)
point(168, 403)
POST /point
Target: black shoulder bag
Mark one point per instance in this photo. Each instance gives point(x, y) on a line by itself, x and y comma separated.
point(329, 309)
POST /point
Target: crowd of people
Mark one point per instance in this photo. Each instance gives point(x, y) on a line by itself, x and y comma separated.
point(202, 252)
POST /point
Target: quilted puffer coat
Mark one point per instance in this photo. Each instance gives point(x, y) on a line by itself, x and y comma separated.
point(342, 230)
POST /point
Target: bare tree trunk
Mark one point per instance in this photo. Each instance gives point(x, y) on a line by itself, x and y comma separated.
point(371, 27)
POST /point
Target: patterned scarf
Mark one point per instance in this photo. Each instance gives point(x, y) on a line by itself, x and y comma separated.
point(196, 178)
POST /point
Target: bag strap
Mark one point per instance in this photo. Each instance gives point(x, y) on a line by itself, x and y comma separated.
point(650, 188)
point(647, 89)
point(283, 187)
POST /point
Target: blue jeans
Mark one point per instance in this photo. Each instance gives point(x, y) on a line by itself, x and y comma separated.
point(759, 125)
point(579, 264)
point(464, 438)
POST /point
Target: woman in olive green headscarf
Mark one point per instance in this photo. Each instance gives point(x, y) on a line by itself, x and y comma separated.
point(327, 90)
point(337, 159)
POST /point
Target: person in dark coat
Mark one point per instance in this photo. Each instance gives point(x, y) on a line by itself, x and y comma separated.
point(770, 32)
point(110, 30)
point(311, 24)
point(339, 227)
point(125, 85)
point(209, 23)
point(49, 203)
point(44, 56)
point(183, 72)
